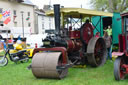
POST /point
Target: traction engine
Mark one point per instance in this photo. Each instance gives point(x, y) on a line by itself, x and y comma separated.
point(121, 62)
point(65, 48)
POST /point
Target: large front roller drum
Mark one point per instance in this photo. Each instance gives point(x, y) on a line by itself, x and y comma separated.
point(44, 65)
point(97, 52)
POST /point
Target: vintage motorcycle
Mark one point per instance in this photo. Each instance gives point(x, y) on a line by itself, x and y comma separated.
point(15, 53)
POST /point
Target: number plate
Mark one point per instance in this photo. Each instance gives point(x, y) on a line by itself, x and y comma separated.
point(46, 43)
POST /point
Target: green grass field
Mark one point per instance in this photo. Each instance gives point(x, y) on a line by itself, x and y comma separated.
point(17, 74)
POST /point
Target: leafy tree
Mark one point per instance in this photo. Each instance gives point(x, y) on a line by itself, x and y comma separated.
point(110, 5)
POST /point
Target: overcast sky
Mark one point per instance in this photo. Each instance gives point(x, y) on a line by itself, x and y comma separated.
point(65, 3)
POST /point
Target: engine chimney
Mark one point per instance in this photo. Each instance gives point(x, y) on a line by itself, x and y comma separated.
point(57, 18)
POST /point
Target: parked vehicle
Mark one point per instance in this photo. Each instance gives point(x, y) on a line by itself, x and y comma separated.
point(15, 53)
point(121, 62)
point(68, 46)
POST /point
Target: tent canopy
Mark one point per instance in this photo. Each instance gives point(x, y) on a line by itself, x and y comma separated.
point(76, 12)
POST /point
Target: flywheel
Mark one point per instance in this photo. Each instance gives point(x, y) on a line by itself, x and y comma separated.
point(86, 32)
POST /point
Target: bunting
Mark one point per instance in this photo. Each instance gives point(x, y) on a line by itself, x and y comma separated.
point(6, 16)
point(6, 13)
point(7, 20)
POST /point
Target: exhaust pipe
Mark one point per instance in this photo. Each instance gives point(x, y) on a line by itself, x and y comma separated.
point(57, 18)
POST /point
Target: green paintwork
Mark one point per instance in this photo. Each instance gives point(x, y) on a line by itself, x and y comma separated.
point(99, 22)
point(116, 26)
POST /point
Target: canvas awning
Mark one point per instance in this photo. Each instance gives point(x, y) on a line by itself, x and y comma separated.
point(75, 12)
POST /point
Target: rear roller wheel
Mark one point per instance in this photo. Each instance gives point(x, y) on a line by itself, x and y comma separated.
point(49, 65)
point(97, 52)
point(118, 70)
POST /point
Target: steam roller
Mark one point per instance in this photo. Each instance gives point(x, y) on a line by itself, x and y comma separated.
point(65, 48)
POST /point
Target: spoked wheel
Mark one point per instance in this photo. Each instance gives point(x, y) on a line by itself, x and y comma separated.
point(97, 52)
point(61, 67)
point(118, 69)
point(3, 61)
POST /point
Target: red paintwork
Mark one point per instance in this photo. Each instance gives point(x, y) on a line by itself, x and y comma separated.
point(74, 45)
point(124, 14)
point(78, 45)
point(59, 49)
point(121, 67)
point(125, 66)
point(36, 45)
point(71, 45)
point(122, 43)
point(74, 34)
point(87, 32)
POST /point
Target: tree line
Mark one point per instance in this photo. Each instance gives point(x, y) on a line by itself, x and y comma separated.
point(110, 5)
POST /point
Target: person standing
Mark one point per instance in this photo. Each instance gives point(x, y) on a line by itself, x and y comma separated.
point(109, 31)
point(97, 34)
point(11, 39)
point(108, 42)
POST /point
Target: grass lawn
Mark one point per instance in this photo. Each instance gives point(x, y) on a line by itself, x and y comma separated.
point(17, 74)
